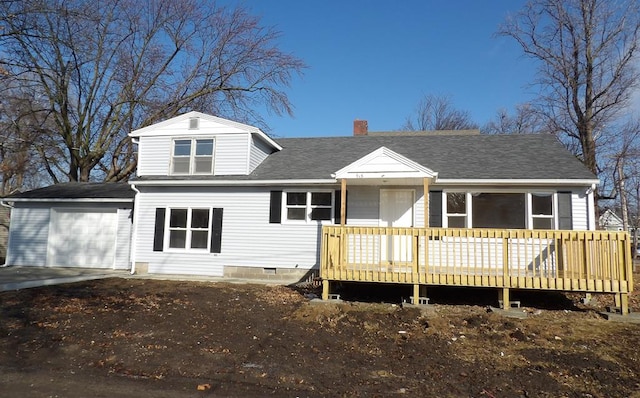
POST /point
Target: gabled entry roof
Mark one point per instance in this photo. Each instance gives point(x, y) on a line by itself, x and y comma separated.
point(386, 164)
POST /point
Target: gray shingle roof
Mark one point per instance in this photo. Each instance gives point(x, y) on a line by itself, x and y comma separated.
point(79, 190)
point(458, 157)
point(507, 157)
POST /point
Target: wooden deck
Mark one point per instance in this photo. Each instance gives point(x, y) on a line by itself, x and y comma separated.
point(579, 261)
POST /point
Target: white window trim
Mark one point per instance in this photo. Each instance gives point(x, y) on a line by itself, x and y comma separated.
point(192, 155)
point(528, 205)
point(467, 202)
point(554, 208)
point(187, 248)
point(308, 207)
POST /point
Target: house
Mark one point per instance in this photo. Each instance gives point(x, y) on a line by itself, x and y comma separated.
point(4, 232)
point(610, 221)
point(219, 198)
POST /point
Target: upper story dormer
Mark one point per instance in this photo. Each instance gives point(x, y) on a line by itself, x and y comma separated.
point(197, 144)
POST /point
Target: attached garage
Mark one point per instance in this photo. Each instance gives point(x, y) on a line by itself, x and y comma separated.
point(72, 225)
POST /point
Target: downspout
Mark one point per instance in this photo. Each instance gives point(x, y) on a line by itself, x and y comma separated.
point(134, 232)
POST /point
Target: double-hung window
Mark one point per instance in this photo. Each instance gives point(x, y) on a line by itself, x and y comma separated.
point(189, 228)
point(308, 206)
point(456, 209)
point(542, 211)
point(192, 156)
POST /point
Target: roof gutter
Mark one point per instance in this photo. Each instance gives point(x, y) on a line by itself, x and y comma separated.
point(74, 200)
point(438, 181)
point(488, 181)
point(233, 182)
point(6, 204)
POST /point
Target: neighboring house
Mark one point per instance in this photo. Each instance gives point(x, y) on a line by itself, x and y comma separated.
point(610, 221)
point(4, 232)
point(220, 198)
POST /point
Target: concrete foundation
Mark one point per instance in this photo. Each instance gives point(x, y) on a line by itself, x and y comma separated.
point(284, 275)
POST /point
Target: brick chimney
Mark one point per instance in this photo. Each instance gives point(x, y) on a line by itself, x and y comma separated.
point(360, 127)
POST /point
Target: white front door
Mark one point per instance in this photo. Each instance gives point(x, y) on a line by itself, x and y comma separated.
point(396, 210)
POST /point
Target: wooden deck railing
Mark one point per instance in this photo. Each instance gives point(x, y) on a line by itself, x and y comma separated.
point(588, 261)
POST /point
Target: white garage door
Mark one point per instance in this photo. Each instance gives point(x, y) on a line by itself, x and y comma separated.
point(82, 238)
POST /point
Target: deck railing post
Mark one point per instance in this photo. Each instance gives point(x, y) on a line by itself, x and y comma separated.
point(505, 259)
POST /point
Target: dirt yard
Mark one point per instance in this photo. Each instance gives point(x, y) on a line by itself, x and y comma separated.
point(149, 338)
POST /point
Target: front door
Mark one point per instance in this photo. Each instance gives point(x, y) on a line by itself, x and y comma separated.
point(396, 210)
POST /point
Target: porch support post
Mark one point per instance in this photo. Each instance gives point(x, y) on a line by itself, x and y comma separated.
point(425, 183)
point(622, 302)
point(325, 289)
point(343, 202)
point(503, 295)
point(416, 294)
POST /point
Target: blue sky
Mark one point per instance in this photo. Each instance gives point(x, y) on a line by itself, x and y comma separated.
point(375, 60)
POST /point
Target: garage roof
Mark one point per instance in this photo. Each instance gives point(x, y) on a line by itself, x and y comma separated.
point(117, 191)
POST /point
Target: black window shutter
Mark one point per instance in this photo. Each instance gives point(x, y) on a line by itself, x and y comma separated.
point(565, 217)
point(435, 209)
point(158, 233)
point(275, 209)
point(337, 207)
point(216, 231)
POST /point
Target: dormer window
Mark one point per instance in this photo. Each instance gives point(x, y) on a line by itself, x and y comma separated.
point(192, 156)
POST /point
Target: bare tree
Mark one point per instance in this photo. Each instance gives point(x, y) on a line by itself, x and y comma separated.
point(436, 112)
point(586, 51)
point(526, 120)
point(19, 142)
point(101, 69)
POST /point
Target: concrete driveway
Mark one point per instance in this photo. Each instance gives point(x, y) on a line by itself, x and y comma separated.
point(16, 278)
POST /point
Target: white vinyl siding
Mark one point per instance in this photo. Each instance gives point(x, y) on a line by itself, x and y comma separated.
point(28, 236)
point(231, 156)
point(258, 152)
point(580, 213)
point(154, 156)
point(123, 239)
point(248, 239)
